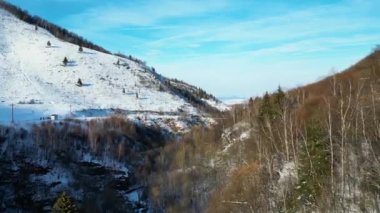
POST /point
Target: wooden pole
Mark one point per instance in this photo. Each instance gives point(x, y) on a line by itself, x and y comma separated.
point(13, 113)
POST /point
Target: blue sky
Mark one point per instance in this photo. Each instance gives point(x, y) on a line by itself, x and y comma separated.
point(228, 47)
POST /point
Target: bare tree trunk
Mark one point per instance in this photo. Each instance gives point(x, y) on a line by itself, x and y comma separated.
point(292, 139)
point(269, 134)
point(285, 132)
point(344, 126)
point(334, 86)
point(304, 139)
point(329, 126)
point(375, 121)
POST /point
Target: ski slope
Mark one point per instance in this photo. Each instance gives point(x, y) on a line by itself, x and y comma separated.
point(34, 78)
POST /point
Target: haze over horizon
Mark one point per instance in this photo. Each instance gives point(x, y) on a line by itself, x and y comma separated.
point(228, 48)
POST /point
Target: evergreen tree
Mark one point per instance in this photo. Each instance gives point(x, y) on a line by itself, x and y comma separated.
point(64, 204)
point(48, 44)
point(65, 61)
point(250, 102)
point(35, 27)
point(79, 82)
point(80, 48)
point(279, 100)
point(314, 165)
point(280, 96)
point(266, 109)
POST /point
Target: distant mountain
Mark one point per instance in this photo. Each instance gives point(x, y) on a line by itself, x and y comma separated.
point(231, 100)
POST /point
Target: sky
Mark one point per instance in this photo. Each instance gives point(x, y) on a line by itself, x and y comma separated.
point(230, 48)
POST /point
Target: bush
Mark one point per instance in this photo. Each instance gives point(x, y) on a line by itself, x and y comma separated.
point(65, 61)
point(64, 204)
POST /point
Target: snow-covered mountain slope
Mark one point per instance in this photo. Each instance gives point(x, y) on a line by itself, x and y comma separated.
point(35, 79)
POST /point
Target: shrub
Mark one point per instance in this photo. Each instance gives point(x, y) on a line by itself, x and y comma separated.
point(65, 61)
point(64, 204)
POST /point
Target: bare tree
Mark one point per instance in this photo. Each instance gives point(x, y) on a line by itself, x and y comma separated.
point(344, 107)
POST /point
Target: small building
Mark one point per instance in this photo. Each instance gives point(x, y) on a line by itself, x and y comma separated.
point(54, 117)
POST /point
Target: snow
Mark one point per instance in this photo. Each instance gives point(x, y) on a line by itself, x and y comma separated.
point(29, 70)
point(55, 175)
point(218, 105)
point(239, 132)
point(106, 161)
point(287, 176)
point(133, 196)
point(287, 172)
point(21, 113)
point(245, 135)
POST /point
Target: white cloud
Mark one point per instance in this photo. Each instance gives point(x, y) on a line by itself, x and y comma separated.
point(144, 13)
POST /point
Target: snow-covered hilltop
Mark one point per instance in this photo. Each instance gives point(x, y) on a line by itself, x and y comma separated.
point(35, 79)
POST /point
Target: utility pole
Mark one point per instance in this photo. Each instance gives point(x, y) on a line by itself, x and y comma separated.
point(13, 120)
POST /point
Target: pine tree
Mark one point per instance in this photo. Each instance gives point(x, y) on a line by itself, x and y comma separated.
point(80, 48)
point(266, 109)
point(250, 102)
point(314, 165)
point(65, 61)
point(64, 204)
point(280, 97)
point(279, 101)
point(48, 44)
point(79, 82)
point(35, 27)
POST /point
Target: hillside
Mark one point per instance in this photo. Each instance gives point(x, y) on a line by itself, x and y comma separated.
point(35, 79)
point(114, 115)
point(311, 149)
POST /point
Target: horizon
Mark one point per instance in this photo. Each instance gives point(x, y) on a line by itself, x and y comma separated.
point(230, 49)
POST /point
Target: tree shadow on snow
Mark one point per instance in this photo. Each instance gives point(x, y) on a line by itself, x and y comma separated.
point(53, 46)
point(70, 64)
